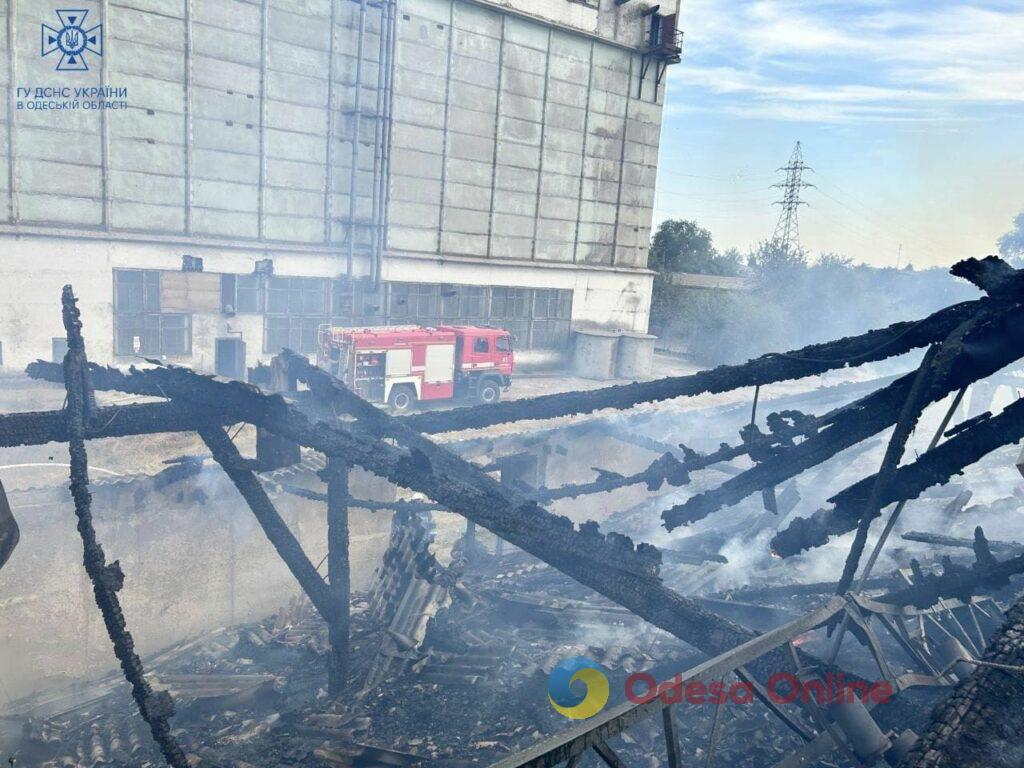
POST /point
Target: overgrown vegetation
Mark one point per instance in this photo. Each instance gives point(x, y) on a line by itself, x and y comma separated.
point(791, 298)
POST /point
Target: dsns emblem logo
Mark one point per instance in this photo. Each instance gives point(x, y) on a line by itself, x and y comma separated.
point(566, 701)
point(73, 40)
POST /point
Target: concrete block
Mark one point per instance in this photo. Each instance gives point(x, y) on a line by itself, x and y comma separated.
point(159, 126)
point(227, 14)
point(292, 117)
point(295, 174)
point(563, 163)
point(594, 354)
point(602, 234)
point(216, 74)
point(518, 155)
point(519, 131)
point(469, 70)
point(472, 121)
point(214, 134)
point(412, 110)
point(515, 179)
point(476, 46)
point(522, 83)
point(608, 103)
point(525, 59)
point(601, 170)
point(45, 144)
point(301, 30)
point(567, 45)
point(423, 58)
point(566, 118)
point(473, 96)
point(218, 105)
point(465, 221)
point(470, 147)
point(469, 196)
point(518, 203)
point(417, 137)
point(421, 215)
point(135, 59)
point(553, 250)
point(559, 185)
point(293, 202)
point(56, 178)
point(147, 188)
point(463, 244)
point(225, 44)
point(593, 253)
point(225, 195)
point(569, 70)
point(434, 10)
point(224, 223)
point(569, 94)
point(299, 89)
point(285, 57)
point(526, 33)
point(226, 166)
point(556, 230)
point(411, 190)
point(420, 84)
point(511, 247)
point(477, 19)
point(294, 146)
point(145, 93)
point(530, 108)
point(293, 229)
point(595, 212)
point(412, 239)
point(59, 209)
point(470, 172)
point(601, 191)
point(137, 155)
point(409, 162)
point(510, 224)
point(611, 58)
point(147, 28)
point(130, 215)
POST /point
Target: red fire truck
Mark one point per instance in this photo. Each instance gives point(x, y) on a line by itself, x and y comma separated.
point(402, 365)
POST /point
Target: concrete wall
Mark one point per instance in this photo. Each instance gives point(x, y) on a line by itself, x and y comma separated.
point(515, 139)
point(35, 268)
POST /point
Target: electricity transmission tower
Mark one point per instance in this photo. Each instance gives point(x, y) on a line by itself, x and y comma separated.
point(787, 231)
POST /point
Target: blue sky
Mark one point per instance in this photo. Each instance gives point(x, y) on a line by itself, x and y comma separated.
point(910, 114)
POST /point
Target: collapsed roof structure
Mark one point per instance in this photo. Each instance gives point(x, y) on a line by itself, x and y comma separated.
point(976, 724)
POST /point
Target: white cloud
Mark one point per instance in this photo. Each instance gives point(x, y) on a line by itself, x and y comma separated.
point(840, 62)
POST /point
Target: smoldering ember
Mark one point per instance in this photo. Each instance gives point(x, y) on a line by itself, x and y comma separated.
point(280, 572)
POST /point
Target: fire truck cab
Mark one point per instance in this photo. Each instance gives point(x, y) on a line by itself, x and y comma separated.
point(403, 365)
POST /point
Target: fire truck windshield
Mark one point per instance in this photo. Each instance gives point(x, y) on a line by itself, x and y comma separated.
point(503, 344)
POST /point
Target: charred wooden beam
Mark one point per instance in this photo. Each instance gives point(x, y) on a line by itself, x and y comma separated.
point(934, 467)
point(275, 528)
point(107, 579)
point(338, 574)
point(958, 542)
point(984, 575)
point(981, 724)
point(994, 343)
point(41, 427)
point(610, 564)
point(874, 345)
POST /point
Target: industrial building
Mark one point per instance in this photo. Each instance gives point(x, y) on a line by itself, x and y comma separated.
point(222, 177)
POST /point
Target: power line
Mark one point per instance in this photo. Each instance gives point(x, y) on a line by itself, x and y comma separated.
point(787, 230)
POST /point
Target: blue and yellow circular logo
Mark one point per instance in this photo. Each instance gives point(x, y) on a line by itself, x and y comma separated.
point(568, 702)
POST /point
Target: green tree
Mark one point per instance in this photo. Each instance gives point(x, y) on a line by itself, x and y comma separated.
point(685, 246)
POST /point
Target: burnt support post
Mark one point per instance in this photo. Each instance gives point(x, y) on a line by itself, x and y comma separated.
point(338, 572)
point(107, 579)
point(277, 531)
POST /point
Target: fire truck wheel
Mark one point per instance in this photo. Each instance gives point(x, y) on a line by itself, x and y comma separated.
point(489, 392)
point(402, 398)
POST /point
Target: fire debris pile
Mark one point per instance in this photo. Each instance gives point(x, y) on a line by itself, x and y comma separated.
point(965, 343)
